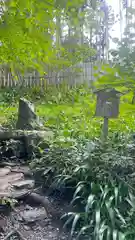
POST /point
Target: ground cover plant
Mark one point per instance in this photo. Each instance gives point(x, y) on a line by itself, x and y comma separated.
point(101, 179)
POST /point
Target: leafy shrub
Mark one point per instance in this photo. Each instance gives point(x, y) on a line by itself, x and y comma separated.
point(108, 211)
point(105, 191)
point(102, 177)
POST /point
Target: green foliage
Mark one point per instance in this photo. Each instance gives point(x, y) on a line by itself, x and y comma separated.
point(103, 179)
point(26, 30)
point(70, 112)
point(102, 176)
point(103, 216)
point(7, 201)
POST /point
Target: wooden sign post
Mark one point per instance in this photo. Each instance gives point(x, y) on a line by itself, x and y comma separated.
point(107, 107)
point(105, 128)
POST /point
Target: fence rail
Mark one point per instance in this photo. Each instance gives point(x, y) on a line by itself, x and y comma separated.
point(79, 74)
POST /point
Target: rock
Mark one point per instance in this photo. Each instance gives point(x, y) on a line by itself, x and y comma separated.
point(13, 185)
point(13, 148)
point(26, 227)
point(32, 140)
point(7, 180)
point(38, 199)
point(6, 183)
point(30, 216)
point(24, 142)
point(19, 194)
point(35, 198)
point(4, 171)
point(32, 136)
point(7, 164)
point(22, 169)
point(27, 119)
point(4, 194)
point(15, 194)
point(29, 184)
point(28, 207)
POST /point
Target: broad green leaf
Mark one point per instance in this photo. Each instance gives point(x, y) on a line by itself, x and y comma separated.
point(121, 236)
point(90, 202)
point(116, 193)
point(75, 221)
point(82, 231)
point(105, 192)
point(97, 222)
point(70, 216)
point(102, 229)
point(115, 234)
point(75, 199)
point(120, 216)
point(108, 236)
point(78, 189)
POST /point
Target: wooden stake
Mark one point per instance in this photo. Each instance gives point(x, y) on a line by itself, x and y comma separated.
point(105, 128)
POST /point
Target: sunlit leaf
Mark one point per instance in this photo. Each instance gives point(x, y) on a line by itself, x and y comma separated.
point(116, 193)
point(82, 231)
point(115, 235)
point(90, 201)
point(97, 220)
point(70, 216)
point(78, 189)
point(120, 216)
point(75, 221)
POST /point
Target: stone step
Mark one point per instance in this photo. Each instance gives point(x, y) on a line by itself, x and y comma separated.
point(13, 183)
point(4, 171)
point(29, 184)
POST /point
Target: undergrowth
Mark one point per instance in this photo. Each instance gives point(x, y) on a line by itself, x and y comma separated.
point(102, 178)
point(100, 175)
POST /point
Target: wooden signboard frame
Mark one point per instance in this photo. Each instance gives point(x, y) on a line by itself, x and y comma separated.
point(107, 106)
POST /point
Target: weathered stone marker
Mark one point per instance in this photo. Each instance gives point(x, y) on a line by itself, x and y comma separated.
point(27, 118)
point(29, 130)
point(107, 106)
point(27, 137)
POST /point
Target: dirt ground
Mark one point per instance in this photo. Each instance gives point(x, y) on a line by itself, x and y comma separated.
point(49, 228)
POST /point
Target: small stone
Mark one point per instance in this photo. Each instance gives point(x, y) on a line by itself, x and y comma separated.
point(33, 215)
point(16, 225)
point(27, 207)
point(19, 218)
point(26, 227)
